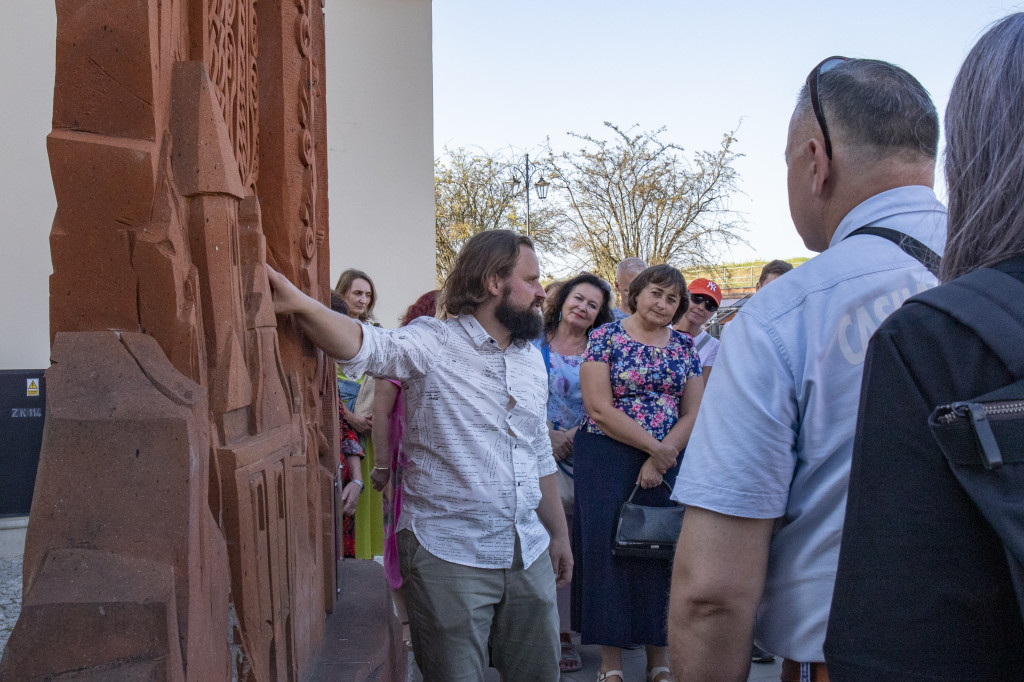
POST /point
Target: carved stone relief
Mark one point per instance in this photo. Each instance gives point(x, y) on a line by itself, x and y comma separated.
point(182, 524)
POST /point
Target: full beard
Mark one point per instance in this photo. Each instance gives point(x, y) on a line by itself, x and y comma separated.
point(523, 324)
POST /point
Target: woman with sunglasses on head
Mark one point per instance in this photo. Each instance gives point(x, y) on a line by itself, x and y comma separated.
point(571, 312)
point(705, 297)
point(641, 388)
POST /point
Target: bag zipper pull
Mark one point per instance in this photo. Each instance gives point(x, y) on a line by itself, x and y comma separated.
point(990, 455)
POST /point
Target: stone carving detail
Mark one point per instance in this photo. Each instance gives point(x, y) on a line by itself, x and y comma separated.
point(187, 471)
point(231, 61)
point(309, 90)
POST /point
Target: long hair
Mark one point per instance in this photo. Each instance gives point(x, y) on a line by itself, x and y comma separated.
point(345, 283)
point(985, 153)
point(553, 311)
point(486, 254)
point(425, 306)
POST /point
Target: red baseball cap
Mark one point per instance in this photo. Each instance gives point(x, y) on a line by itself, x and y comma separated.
point(707, 288)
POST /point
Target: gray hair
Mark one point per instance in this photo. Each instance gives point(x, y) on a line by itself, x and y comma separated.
point(985, 152)
point(634, 265)
point(877, 107)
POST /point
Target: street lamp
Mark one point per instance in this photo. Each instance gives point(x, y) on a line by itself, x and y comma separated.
point(525, 176)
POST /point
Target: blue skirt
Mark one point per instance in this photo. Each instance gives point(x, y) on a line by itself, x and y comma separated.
point(616, 601)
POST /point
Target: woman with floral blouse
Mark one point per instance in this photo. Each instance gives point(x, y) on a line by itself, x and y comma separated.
point(642, 386)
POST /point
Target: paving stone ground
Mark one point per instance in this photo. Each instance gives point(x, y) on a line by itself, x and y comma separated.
point(10, 607)
point(633, 665)
point(10, 597)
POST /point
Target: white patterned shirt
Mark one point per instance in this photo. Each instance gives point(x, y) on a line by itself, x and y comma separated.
point(476, 437)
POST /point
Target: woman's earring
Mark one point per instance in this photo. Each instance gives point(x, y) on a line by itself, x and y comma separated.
point(559, 316)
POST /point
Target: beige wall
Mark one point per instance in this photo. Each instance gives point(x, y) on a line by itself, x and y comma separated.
point(380, 146)
point(380, 128)
point(27, 44)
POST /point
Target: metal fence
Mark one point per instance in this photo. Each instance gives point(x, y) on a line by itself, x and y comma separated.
point(732, 277)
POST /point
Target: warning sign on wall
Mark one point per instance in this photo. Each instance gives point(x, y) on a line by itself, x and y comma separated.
point(31, 387)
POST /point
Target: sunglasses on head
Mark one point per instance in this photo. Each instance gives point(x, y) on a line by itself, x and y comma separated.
point(812, 86)
point(706, 301)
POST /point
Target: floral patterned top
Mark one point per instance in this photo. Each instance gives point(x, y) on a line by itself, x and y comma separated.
point(647, 381)
point(349, 438)
point(565, 399)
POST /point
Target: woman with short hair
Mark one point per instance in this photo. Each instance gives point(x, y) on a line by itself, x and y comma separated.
point(641, 388)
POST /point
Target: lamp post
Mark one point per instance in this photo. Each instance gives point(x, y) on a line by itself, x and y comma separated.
point(525, 176)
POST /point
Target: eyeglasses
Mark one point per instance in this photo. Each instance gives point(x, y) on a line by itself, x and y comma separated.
point(706, 301)
point(812, 85)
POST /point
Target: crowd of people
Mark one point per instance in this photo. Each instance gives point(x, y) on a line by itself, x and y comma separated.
point(831, 518)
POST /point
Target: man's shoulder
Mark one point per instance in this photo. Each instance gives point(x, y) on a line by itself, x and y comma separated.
point(790, 291)
point(842, 275)
point(432, 323)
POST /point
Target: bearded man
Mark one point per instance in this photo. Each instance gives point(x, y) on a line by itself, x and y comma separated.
point(481, 510)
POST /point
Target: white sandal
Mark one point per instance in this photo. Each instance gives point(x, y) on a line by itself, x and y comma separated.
point(653, 673)
point(603, 676)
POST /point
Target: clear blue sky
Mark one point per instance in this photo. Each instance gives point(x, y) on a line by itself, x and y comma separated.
point(512, 74)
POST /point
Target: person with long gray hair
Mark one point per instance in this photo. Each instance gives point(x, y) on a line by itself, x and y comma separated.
point(924, 587)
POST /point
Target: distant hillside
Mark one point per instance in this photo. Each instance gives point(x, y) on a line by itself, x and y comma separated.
point(731, 276)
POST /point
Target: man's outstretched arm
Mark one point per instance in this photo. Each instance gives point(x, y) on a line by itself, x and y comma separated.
point(717, 580)
point(337, 335)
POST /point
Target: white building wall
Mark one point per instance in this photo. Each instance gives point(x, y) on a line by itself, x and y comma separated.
point(380, 147)
point(27, 49)
point(380, 138)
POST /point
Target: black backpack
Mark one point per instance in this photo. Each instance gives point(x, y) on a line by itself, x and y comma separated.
point(983, 437)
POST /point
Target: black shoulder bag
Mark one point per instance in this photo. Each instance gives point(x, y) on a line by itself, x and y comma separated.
point(982, 438)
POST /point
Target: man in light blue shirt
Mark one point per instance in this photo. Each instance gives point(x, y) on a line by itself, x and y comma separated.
point(765, 473)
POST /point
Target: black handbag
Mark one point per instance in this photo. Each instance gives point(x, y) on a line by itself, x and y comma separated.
point(647, 532)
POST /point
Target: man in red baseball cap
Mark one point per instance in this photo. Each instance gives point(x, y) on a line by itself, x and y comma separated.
point(705, 297)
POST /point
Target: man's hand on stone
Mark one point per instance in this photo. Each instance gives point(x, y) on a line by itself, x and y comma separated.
point(287, 297)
